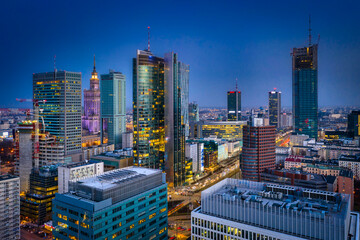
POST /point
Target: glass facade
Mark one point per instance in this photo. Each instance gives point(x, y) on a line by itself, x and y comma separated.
point(354, 123)
point(113, 107)
point(274, 108)
point(59, 95)
point(234, 105)
point(148, 110)
point(305, 90)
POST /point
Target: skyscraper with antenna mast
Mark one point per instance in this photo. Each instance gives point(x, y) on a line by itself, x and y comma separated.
point(234, 104)
point(305, 88)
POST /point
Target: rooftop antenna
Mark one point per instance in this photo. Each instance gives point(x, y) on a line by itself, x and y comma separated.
point(148, 38)
point(236, 86)
point(55, 67)
point(309, 30)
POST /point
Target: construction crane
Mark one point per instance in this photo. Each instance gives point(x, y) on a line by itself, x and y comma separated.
point(36, 116)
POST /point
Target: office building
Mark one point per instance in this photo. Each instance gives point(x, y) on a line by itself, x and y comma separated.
point(36, 205)
point(193, 112)
point(59, 95)
point(50, 152)
point(127, 140)
point(232, 130)
point(113, 107)
point(234, 105)
point(128, 203)
point(195, 151)
point(274, 108)
point(10, 207)
point(286, 120)
point(91, 119)
point(77, 171)
point(148, 110)
point(176, 117)
point(114, 160)
point(258, 151)
point(159, 131)
point(305, 90)
point(240, 209)
point(354, 124)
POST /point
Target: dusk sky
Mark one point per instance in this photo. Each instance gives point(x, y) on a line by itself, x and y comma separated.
point(220, 40)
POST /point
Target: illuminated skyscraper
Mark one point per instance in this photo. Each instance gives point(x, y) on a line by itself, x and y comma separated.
point(160, 121)
point(234, 104)
point(305, 89)
point(274, 108)
point(354, 123)
point(91, 119)
point(113, 107)
point(193, 112)
point(148, 110)
point(61, 91)
point(176, 117)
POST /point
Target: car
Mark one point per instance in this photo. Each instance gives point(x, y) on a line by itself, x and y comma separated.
point(172, 238)
point(178, 228)
point(189, 229)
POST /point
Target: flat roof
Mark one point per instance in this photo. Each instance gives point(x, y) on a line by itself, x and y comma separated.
point(110, 179)
point(76, 164)
point(7, 177)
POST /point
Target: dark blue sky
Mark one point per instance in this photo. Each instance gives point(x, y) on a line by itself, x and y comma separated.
point(221, 40)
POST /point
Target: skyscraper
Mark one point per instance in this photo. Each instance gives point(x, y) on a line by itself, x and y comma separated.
point(176, 117)
point(274, 108)
point(148, 110)
point(305, 89)
point(160, 122)
point(234, 104)
point(61, 91)
point(193, 112)
point(258, 151)
point(91, 119)
point(113, 107)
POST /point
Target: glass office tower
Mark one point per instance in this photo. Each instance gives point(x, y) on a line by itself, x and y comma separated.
point(148, 110)
point(305, 90)
point(234, 105)
point(274, 108)
point(61, 109)
point(176, 118)
point(113, 107)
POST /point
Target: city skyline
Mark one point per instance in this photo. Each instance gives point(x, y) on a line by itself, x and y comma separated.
point(246, 47)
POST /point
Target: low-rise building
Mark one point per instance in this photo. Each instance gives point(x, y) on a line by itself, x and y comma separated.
point(351, 162)
point(113, 160)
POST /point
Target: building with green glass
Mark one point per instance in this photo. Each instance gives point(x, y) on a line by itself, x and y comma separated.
point(113, 107)
point(160, 89)
point(148, 110)
point(59, 97)
point(305, 90)
point(128, 203)
point(234, 105)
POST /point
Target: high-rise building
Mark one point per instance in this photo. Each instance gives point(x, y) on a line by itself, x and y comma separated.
point(258, 152)
point(77, 171)
point(234, 105)
point(354, 124)
point(36, 205)
point(128, 203)
point(274, 108)
point(305, 89)
point(50, 152)
point(59, 97)
point(10, 207)
point(176, 117)
point(148, 110)
point(240, 209)
point(193, 112)
point(91, 119)
point(113, 107)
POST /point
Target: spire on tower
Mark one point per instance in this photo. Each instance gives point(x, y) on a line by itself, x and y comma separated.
point(148, 38)
point(94, 70)
point(309, 30)
point(236, 85)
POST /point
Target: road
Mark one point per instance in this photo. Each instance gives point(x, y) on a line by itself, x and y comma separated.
point(25, 235)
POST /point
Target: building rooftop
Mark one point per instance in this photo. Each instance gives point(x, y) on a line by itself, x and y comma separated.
point(76, 164)
point(350, 158)
point(7, 177)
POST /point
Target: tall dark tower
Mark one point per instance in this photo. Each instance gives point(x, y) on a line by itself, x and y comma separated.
point(305, 89)
point(274, 108)
point(234, 104)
